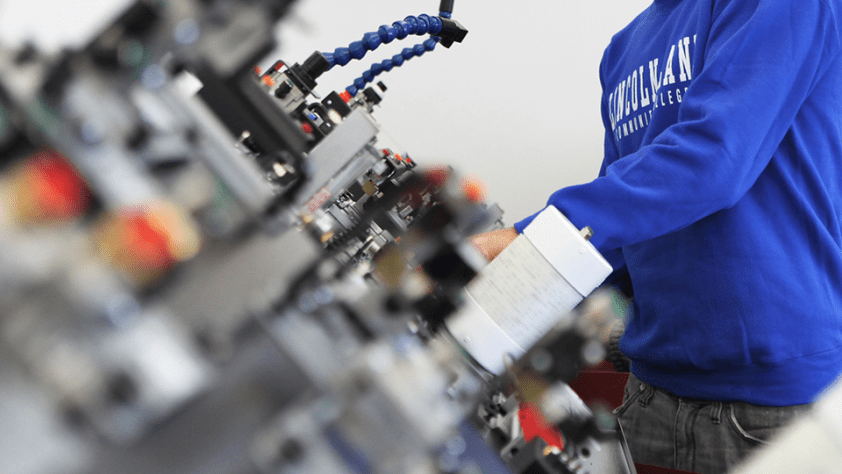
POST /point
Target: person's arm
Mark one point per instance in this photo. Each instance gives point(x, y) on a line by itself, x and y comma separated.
point(490, 244)
point(762, 59)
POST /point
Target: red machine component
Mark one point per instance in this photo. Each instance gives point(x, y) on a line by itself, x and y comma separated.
point(46, 188)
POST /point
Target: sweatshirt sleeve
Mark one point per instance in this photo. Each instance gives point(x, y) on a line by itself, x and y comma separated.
point(762, 59)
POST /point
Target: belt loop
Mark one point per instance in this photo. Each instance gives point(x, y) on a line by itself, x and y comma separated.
point(646, 396)
point(716, 413)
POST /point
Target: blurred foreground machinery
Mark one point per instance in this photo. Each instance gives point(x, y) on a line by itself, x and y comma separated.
point(241, 280)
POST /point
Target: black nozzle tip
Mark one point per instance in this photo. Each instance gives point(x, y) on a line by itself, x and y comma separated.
point(315, 65)
point(452, 31)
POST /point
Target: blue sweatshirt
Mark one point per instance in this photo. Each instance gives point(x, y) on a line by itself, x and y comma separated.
point(721, 195)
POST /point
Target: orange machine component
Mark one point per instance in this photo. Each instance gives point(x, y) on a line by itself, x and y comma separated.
point(45, 188)
point(146, 241)
point(473, 189)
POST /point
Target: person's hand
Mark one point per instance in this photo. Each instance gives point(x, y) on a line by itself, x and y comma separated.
point(490, 244)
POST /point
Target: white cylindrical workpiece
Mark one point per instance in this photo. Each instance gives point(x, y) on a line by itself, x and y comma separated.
point(529, 288)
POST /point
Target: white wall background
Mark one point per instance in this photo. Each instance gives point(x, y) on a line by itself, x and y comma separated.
point(516, 104)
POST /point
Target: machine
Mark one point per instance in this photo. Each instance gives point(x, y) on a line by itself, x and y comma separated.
point(242, 281)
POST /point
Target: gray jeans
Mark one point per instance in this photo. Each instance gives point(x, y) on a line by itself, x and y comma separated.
point(693, 435)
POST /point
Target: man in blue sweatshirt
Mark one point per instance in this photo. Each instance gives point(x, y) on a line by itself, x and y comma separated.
point(720, 198)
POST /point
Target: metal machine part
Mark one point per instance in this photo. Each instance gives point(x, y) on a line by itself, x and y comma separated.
point(339, 158)
point(563, 434)
point(593, 440)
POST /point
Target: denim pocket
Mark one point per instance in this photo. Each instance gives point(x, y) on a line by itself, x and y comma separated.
point(629, 397)
point(758, 424)
point(740, 431)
